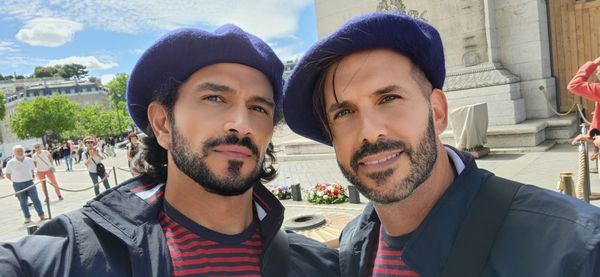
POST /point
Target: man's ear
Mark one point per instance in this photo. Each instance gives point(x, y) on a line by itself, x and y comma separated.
point(439, 107)
point(159, 121)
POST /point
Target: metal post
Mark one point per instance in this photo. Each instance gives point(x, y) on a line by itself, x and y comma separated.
point(47, 199)
point(115, 174)
point(296, 192)
point(353, 195)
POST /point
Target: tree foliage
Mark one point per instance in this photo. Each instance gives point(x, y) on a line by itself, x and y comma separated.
point(34, 117)
point(66, 71)
point(116, 88)
point(2, 106)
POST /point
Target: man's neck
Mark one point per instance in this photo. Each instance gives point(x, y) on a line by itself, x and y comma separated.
point(228, 215)
point(405, 216)
point(20, 159)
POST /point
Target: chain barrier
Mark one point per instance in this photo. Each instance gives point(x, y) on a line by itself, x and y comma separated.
point(61, 188)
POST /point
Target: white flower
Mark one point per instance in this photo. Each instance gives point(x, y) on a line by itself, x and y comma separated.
point(320, 193)
point(325, 196)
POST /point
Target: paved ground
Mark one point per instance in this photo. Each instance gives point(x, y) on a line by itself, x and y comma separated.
point(539, 168)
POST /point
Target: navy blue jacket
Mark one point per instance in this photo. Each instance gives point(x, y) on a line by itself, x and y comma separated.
point(118, 234)
point(544, 234)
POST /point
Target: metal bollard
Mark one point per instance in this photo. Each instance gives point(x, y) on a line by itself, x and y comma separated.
point(353, 195)
point(31, 229)
point(115, 174)
point(567, 182)
point(296, 192)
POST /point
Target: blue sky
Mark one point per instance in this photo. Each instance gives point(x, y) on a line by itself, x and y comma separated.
point(109, 36)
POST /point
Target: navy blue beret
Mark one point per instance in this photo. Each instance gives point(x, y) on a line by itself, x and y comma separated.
point(414, 38)
point(180, 53)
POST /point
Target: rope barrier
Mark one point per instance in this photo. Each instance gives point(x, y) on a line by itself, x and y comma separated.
point(86, 188)
point(582, 115)
point(62, 189)
point(123, 169)
point(551, 106)
point(20, 191)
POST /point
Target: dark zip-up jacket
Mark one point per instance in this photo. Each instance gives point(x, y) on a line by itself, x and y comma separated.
point(118, 234)
point(544, 234)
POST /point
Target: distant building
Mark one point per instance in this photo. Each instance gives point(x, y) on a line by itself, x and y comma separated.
point(83, 92)
point(288, 67)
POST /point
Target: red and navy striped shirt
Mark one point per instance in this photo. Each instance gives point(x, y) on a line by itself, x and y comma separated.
point(387, 261)
point(198, 251)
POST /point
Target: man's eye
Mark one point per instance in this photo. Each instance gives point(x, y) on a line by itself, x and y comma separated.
point(214, 98)
point(389, 98)
point(260, 109)
point(342, 113)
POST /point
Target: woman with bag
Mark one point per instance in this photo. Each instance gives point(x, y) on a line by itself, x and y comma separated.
point(42, 160)
point(93, 161)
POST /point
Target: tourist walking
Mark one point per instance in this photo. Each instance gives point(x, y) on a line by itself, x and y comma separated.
point(42, 160)
point(93, 160)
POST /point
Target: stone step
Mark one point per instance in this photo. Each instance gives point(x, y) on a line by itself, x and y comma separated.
point(528, 133)
point(528, 136)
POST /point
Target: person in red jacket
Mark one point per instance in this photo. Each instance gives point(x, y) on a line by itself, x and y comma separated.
point(579, 85)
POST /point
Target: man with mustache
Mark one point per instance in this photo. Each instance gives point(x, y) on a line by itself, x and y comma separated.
point(373, 90)
point(208, 102)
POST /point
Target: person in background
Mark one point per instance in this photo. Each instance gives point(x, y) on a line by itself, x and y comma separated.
point(581, 86)
point(42, 160)
point(133, 147)
point(91, 158)
point(19, 170)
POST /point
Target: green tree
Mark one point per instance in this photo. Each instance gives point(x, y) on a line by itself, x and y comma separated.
point(44, 71)
point(116, 93)
point(2, 106)
point(73, 70)
point(34, 117)
point(116, 88)
point(97, 120)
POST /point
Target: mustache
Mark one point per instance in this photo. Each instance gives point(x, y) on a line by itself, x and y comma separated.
point(379, 146)
point(231, 139)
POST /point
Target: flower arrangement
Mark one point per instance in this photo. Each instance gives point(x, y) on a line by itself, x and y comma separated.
point(332, 193)
point(281, 192)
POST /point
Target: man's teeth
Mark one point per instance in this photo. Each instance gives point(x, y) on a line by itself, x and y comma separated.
point(383, 159)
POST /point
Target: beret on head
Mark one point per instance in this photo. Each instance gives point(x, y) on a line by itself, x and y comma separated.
point(411, 37)
point(180, 53)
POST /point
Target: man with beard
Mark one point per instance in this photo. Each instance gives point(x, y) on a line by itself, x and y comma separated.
point(208, 102)
point(373, 90)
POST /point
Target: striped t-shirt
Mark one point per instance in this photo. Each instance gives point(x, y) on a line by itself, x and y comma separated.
point(387, 261)
point(198, 251)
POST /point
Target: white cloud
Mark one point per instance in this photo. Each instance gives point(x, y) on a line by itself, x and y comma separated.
point(104, 79)
point(90, 62)
point(265, 18)
point(288, 52)
point(137, 51)
point(48, 32)
point(16, 61)
point(8, 47)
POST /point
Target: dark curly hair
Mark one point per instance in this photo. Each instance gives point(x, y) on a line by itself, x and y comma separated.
point(152, 159)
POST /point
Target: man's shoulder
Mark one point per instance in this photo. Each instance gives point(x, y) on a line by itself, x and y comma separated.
point(551, 203)
point(542, 208)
